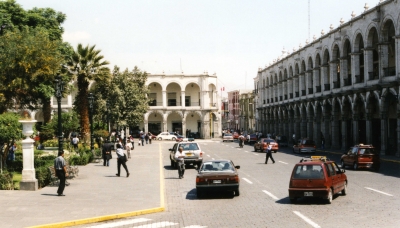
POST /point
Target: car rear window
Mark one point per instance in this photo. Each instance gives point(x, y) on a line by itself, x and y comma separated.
point(308, 142)
point(308, 172)
point(268, 140)
point(216, 166)
point(189, 146)
point(227, 134)
point(367, 151)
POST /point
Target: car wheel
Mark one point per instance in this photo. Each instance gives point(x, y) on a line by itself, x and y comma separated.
point(355, 166)
point(293, 200)
point(344, 191)
point(159, 138)
point(237, 192)
point(330, 197)
point(342, 164)
point(173, 138)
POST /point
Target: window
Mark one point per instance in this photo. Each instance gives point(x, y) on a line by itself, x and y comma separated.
point(331, 171)
point(171, 99)
point(187, 101)
point(189, 146)
point(308, 172)
point(153, 99)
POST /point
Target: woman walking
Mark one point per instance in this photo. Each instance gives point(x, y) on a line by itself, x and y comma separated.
point(121, 160)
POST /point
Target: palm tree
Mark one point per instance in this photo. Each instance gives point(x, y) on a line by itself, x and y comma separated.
point(87, 65)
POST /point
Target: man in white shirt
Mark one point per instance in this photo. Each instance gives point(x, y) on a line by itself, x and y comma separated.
point(269, 154)
point(179, 158)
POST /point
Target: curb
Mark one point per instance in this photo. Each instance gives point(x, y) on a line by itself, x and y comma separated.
point(116, 216)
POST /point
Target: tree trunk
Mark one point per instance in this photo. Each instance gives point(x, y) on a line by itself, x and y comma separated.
point(83, 107)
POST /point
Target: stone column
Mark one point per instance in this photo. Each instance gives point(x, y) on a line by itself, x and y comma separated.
point(327, 134)
point(316, 78)
point(368, 123)
point(310, 122)
point(165, 125)
point(303, 129)
point(398, 134)
point(355, 67)
point(164, 98)
point(384, 59)
point(297, 121)
point(356, 135)
point(335, 132)
point(146, 127)
point(206, 129)
point(29, 181)
point(344, 134)
point(302, 83)
point(324, 78)
point(397, 51)
point(183, 127)
point(183, 99)
point(317, 132)
point(290, 128)
point(333, 72)
point(368, 63)
point(383, 132)
point(343, 71)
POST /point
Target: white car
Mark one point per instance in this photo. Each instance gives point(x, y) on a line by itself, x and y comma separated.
point(166, 136)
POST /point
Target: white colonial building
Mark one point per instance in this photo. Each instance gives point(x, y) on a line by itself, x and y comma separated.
point(180, 103)
point(343, 86)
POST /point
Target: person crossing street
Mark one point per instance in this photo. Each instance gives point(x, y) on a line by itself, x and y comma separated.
point(179, 157)
point(269, 154)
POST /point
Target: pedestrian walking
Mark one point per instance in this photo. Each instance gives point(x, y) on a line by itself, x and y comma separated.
point(269, 154)
point(106, 152)
point(150, 135)
point(294, 138)
point(61, 172)
point(179, 157)
point(128, 147)
point(322, 142)
point(75, 141)
point(142, 138)
point(121, 161)
point(146, 137)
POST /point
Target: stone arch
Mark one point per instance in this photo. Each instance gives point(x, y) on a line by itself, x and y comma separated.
point(373, 114)
point(388, 50)
point(280, 76)
point(290, 71)
point(285, 74)
point(358, 47)
point(303, 66)
point(155, 85)
point(336, 64)
point(325, 62)
point(347, 65)
point(296, 69)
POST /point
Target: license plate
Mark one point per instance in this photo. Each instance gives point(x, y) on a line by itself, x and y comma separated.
point(217, 181)
point(308, 193)
point(189, 154)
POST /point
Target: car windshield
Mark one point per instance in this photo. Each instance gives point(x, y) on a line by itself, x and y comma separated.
point(308, 172)
point(189, 146)
point(216, 166)
point(367, 151)
point(268, 140)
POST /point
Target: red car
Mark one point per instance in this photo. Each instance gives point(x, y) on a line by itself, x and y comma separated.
point(361, 156)
point(235, 135)
point(261, 145)
point(317, 176)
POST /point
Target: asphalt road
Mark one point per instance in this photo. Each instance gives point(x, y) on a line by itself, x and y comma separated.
point(372, 200)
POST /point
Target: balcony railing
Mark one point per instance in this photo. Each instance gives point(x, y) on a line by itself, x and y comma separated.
point(359, 78)
point(389, 71)
point(336, 85)
point(347, 81)
point(373, 75)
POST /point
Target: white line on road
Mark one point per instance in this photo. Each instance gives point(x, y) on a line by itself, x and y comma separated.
point(122, 223)
point(245, 179)
point(313, 224)
point(283, 162)
point(158, 224)
point(212, 158)
point(246, 151)
point(270, 194)
point(379, 191)
point(256, 154)
point(208, 155)
point(195, 226)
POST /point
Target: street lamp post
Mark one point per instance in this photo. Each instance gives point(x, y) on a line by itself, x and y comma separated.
point(91, 100)
point(59, 88)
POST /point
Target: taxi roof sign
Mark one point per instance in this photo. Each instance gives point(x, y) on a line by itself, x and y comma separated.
point(315, 158)
point(318, 157)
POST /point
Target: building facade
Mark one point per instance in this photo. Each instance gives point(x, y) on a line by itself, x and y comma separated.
point(182, 103)
point(246, 101)
point(235, 119)
point(343, 86)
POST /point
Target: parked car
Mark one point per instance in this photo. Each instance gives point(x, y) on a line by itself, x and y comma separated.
point(166, 136)
point(283, 141)
point(304, 146)
point(227, 137)
point(253, 139)
point(220, 175)
point(317, 177)
point(235, 135)
point(181, 138)
point(361, 156)
point(192, 151)
point(261, 145)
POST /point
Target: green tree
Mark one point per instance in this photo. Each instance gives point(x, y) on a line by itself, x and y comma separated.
point(127, 96)
point(10, 130)
point(86, 64)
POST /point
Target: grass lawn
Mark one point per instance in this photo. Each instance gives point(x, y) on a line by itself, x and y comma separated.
point(17, 177)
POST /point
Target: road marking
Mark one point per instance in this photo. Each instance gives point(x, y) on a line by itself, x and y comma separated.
point(239, 149)
point(245, 179)
point(158, 224)
point(270, 194)
point(122, 223)
point(283, 162)
point(309, 221)
point(208, 155)
point(256, 154)
point(195, 226)
point(379, 191)
point(247, 151)
point(212, 158)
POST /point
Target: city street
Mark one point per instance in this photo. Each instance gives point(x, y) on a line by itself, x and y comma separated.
point(372, 199)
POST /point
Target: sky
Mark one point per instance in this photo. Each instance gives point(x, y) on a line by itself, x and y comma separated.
point(229, 38)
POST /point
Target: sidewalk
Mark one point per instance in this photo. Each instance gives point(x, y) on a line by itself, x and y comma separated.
point(97, 194)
